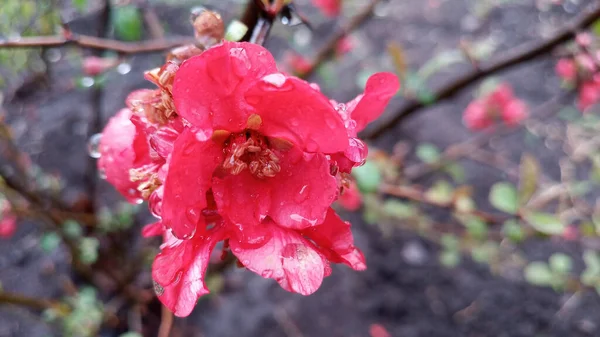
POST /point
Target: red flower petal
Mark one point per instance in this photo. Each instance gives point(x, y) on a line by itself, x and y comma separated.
point(334, 240)
point(380, 88)
point(122, 148)
point(178, 271)
point(208, 89)
point(189, 178)
point(287, 258)
point(153, 229)
point(297, 197)
point(351, 198)
point(292, 109)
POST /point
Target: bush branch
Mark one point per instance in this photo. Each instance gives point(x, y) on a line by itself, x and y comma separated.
point(514, 57)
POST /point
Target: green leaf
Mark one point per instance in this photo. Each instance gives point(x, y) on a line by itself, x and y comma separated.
point(538, 273)
point(449, 242)
point(127, 22)
point(441, 192)
point(368, 177)
point(503, 196)
point(528, 177)
point(398, 210)
point(457, 172)
point(88, 249)
point(72, 229)
point(49, 242)
point(485, 253)
point(545, 222)
point(561, 263)
point(476, 227)
point(596, 28)
point(81, 5)
point(428, 153)
point(513, 231)
point(450, 259)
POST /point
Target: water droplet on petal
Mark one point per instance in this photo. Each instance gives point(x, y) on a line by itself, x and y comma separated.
point(177, 277)
point(302, 194)
point(237, 250)
point(193, 215)
point(158, 289)
point(94, 146)
point(267, 273)
point(246, 262)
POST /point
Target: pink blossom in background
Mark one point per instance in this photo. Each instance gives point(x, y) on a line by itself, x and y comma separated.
point(498, 105)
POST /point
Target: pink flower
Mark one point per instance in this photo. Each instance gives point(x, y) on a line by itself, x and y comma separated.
point(589, 93)
point(566, 69)
point(256, 167)
point(500, 104)
point(297, 63)
point(93, 65)
point(8, 220)
point(330, 8)
point(344, 46)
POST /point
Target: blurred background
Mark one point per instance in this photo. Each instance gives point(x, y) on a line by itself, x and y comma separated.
point(452, 247)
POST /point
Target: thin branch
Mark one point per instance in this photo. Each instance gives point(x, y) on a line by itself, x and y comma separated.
point(514, 57)
point(34, 303)
point(97, 43)
point(414, 194)
point(329, 47)
point(166, 322)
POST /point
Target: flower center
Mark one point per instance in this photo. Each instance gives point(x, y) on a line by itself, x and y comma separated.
point(251, 151)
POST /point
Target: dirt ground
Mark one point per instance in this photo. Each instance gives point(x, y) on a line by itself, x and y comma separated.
point(405, 289)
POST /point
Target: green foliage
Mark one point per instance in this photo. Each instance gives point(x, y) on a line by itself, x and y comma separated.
point(88, 250)
point(512, 230)
point(539, 273)
point(368, 177)
point(529, 175)
point(49, 242)
point(24, 18)
point(503, 196)
point(72, 229)
point(127, 22)
point(441, 192)
point(428, 153)
point(84, 318)
point(545, 222)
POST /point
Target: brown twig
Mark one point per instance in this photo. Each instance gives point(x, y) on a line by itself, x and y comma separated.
point(329, 47)
point(514, 57)
point(97, 43)
point(34, 303)
point(166, 322)
point(414, 194)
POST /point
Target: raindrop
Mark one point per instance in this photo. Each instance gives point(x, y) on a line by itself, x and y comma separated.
point(195, 12)
point(237, 250)
point(267, 273)
point(246, 262)
point(303, 36)
point(124, 68)
point(302, 194)
point(94, 146)
point(87, 82)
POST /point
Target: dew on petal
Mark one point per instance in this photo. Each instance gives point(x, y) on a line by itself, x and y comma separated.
point(267, 273)
point(93, 146)
point(203, 135)
point(303, 194)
